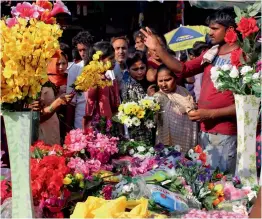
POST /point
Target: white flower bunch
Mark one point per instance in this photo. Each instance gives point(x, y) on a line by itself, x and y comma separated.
point(240, 80)
point(142, 152)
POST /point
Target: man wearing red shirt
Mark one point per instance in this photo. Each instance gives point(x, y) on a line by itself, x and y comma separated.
point(216, 110)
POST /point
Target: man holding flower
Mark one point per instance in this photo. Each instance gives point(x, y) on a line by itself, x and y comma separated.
point(216, 110)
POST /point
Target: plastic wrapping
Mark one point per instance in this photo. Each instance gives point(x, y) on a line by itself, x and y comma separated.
point(169, 200)
point(132, 188)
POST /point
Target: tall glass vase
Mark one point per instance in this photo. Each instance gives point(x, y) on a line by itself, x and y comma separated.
point(18, 131)
point(247, 107)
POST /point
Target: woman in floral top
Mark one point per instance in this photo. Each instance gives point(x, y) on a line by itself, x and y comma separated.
point(135, 88)
point(135, 85)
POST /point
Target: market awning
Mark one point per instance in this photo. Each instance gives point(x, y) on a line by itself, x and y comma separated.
point(220, 4)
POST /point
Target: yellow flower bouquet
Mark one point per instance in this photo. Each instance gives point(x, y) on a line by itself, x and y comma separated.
point(93, 74)
point(28, 42)
point(137, 113)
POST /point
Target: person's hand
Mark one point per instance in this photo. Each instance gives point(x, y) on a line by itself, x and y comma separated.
point(200, 114)
point(66, 98)
point(37, 105)
point(151, 90)
point(150, 40)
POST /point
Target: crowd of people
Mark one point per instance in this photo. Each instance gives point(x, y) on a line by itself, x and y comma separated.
point(192, 111)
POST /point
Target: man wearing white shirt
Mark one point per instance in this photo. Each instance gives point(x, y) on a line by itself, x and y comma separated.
point(120, 45)
point(76, 110)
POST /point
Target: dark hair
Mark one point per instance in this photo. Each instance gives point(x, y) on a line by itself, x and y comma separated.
point(66, 49)
point(113, 39)
point(224, 17)
point(138, 34)
point(135, 57)
point(163, 67)
point(104, 46)
point(83, 37)
point(75, 54)
point(191, 52)
point(183, 56)
point(199, 47)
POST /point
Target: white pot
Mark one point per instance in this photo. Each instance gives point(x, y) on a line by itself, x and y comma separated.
point(247, 107)
point(18, 132)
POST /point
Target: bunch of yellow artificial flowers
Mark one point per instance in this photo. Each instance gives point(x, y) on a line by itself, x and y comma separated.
point(25, 51)
point(92, 75)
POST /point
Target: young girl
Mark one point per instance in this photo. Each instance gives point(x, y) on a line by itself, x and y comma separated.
point(102, 102)
point(173, 124)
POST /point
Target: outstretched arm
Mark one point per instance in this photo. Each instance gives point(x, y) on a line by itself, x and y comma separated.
point(188, 69)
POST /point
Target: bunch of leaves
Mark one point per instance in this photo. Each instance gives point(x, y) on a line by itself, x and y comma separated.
point(175, 185)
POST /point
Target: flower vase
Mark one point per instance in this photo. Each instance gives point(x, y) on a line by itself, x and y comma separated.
point(18, 131)
point(247, 107)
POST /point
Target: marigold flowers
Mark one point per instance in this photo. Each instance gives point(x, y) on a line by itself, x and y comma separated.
point(93, 75)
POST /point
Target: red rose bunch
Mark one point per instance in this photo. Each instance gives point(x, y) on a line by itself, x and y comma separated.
point(247, 26)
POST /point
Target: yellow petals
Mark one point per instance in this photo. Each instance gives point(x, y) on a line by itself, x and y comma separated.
point(25, 51)
point(140, 114)
point(92, 75)
point(79, 176)
point(67, 181)
point(99, 208)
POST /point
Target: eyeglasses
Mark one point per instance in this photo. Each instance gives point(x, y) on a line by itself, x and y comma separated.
point(140, 68)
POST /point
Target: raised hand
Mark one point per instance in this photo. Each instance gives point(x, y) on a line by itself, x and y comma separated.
point(150, 40)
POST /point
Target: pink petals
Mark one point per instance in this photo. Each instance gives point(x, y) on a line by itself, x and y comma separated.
point(41, 10)
point(10, 22)
point(194, 213)
point(59, 7)
point(25, 10)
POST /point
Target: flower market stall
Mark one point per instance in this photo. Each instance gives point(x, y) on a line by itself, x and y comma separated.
point(100, 174)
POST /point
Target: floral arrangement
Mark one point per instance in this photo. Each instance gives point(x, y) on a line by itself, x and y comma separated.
point(136, 114)
point(29, 40)
point(93, 75)
point(195, 213)
point(243, 76)
point(137, 149)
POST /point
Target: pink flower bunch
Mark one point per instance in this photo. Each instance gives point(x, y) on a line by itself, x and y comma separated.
point(146, 165)
point(232, 193)
point(41, 10)
point(102, 147)
point(25, 10)
point(87, 168)
point(195, 213)
point(75, 140)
